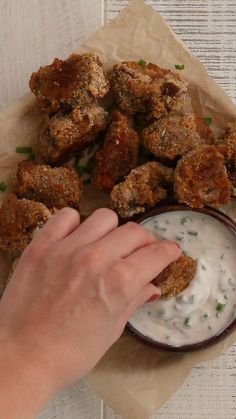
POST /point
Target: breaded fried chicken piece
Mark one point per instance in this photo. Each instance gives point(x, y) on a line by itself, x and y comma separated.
point(74, 82)
point(227, 147)
point(143, 188)
point(176, 276)
point(64, 134)
point(55, 187)
point(172, 136)
point(18, 220)
point(147, 89)
point(117, 155)
point(201, 178)
point(204, 131)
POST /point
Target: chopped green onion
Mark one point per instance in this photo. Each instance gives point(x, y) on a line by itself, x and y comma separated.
point(88, 167)
point(209, 327)
point(31, 156)
point(193, 298)
point(142, 62)
point(186, 321)
point(184, 220)
point(179, 66)
point(162, 228)
point(179, 239)
point(3, 186)
point(203, 267)
point(24, 150)
point(220, 307)
point(110, 109)
point(167, 222)
point(222, 256)
point(79, 169)
point(205, 316)
point(86, 181)
point(208, 120)
point(193, 233)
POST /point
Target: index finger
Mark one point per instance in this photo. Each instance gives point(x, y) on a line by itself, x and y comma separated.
point(143, 265)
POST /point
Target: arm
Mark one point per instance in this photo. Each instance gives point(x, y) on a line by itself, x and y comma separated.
point(68, 301)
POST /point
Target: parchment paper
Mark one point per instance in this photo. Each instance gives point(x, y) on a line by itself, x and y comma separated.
point(132, 378)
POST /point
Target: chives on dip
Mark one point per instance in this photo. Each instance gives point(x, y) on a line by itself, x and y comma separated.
point(207, 305)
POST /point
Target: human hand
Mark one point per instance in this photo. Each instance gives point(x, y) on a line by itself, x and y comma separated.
point(74, 289)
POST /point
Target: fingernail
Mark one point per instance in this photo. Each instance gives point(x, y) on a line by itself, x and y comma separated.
point(154, 297)
point(176, 244)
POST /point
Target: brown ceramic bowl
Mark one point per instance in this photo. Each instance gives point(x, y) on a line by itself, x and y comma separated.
point(231, 225)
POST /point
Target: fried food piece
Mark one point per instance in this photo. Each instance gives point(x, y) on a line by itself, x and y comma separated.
point(55, 187)
point(227, 147)
point(18, 220)
point(204, 131)
point(117, 155)
point(143, 188)
point(147, 89)
point(172, 136)
point(176, 277)
point(74, 82)
point(64, 134)
point(201, 178)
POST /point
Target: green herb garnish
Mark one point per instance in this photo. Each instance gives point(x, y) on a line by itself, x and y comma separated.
point(222, 256)
point(3, 186)
point(79, 169)
point(193, 233)
point(142, 62)
point(187, 321)
point(24, 150)
point(209, 327)
point(220, 307)
point(208, 120)
point(162, 228)
point(205, 316)
point(88, 167)
point(203, 268)
point(179, 66)
point(31, 156)
point(86, 181)
point(110, 109)
point(179, 239)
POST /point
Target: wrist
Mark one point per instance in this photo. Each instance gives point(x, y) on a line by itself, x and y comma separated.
point(26, 384)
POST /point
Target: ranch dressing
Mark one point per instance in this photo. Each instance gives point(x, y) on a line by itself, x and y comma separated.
point(208, 304)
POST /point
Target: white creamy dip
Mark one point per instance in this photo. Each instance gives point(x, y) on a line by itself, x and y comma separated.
point(208, 304)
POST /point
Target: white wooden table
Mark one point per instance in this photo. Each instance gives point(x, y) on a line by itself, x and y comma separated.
point(32, 33)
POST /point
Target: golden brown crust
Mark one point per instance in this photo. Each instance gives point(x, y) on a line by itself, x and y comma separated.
point(117, 155)
point(64, 134)
point(76, 81)
point(147, 89)
point(204, 131)
point(143, 188)
point(227, 147)
point(172, 136)
point(176, 277)
point(201, 178)
point(18, 220)
point(55, 187)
